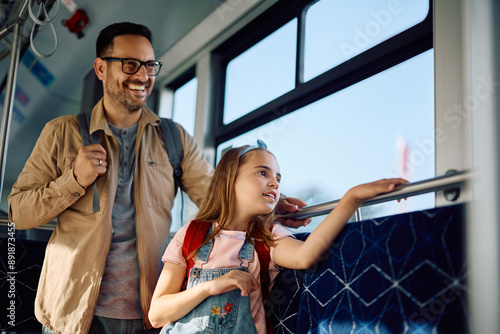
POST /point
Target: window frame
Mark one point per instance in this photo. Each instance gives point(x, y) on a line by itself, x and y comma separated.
point(387, 54)
point(165, 93)
point(176, 84)
point(182, 207)
point(182, 79)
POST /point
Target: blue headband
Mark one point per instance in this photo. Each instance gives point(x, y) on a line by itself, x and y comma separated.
point(260, 143)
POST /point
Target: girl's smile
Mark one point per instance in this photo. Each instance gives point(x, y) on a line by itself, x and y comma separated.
point(257, 185)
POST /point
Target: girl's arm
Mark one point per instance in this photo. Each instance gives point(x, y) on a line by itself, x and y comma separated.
point(170, 304)
point(295, 254)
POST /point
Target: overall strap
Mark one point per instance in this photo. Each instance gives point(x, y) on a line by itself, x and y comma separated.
point(195, 234)
point(175, 151)
point(89, 139)
point(264, 259)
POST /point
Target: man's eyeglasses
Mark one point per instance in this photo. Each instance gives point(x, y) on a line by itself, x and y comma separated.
point(132, 66)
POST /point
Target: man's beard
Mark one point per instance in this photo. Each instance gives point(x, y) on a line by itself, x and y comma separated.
point(123, 98)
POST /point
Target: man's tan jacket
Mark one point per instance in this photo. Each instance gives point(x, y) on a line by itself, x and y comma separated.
point(76, 252)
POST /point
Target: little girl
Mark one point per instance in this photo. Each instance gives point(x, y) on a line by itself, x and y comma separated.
point(223, 292)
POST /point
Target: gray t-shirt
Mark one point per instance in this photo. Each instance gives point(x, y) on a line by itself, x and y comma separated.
point(119, 292)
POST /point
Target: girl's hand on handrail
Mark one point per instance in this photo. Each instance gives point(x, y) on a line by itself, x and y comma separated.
point(367, 191)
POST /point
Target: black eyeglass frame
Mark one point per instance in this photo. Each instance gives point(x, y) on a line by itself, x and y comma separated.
point(141, 63)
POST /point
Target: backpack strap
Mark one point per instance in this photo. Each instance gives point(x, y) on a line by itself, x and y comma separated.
point(195, 234)
point(264, 259)
point(175, 151)
point(89, 139)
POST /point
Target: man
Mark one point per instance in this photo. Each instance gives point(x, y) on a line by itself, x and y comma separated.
point(100, 269)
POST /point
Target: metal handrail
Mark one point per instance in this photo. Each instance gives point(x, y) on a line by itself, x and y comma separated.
point(449, 182)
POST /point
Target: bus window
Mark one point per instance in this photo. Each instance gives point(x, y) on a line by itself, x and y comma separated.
point(380, 127)
point(183, 112)
point(261, 73)
point(184, 108)
point(336, 31)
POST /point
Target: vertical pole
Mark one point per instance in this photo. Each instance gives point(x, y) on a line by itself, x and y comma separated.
point(11, 88)
point(357, 215)
point(9, 100)
point(483, 230)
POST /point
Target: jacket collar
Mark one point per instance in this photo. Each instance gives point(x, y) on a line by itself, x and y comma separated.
point(99, 121)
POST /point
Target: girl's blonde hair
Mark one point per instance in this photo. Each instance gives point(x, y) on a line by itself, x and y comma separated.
point(217, 206)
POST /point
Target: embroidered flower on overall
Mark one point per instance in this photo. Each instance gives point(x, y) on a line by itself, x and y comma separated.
point(215, 311)
point(218, 315)
point(228, 308)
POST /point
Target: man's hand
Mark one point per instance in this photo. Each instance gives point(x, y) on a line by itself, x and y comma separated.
point(89, 164)
point(290, 204)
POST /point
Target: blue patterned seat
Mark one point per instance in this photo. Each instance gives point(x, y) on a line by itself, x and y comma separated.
point(399, 274)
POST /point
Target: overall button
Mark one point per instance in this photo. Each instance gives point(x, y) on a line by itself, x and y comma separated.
point(195, 272)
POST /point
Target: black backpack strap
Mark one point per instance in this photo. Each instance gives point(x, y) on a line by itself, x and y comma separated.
point(175, 151)
point(89, 139)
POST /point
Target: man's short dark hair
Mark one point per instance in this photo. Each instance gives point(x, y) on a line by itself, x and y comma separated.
point(107, 35)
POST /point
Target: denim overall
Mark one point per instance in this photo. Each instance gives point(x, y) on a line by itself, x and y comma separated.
point(225, 313)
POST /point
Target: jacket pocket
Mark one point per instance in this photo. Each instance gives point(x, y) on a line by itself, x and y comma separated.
point(158, 183)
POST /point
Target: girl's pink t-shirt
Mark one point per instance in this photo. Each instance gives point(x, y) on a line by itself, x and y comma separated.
point(224, 254)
